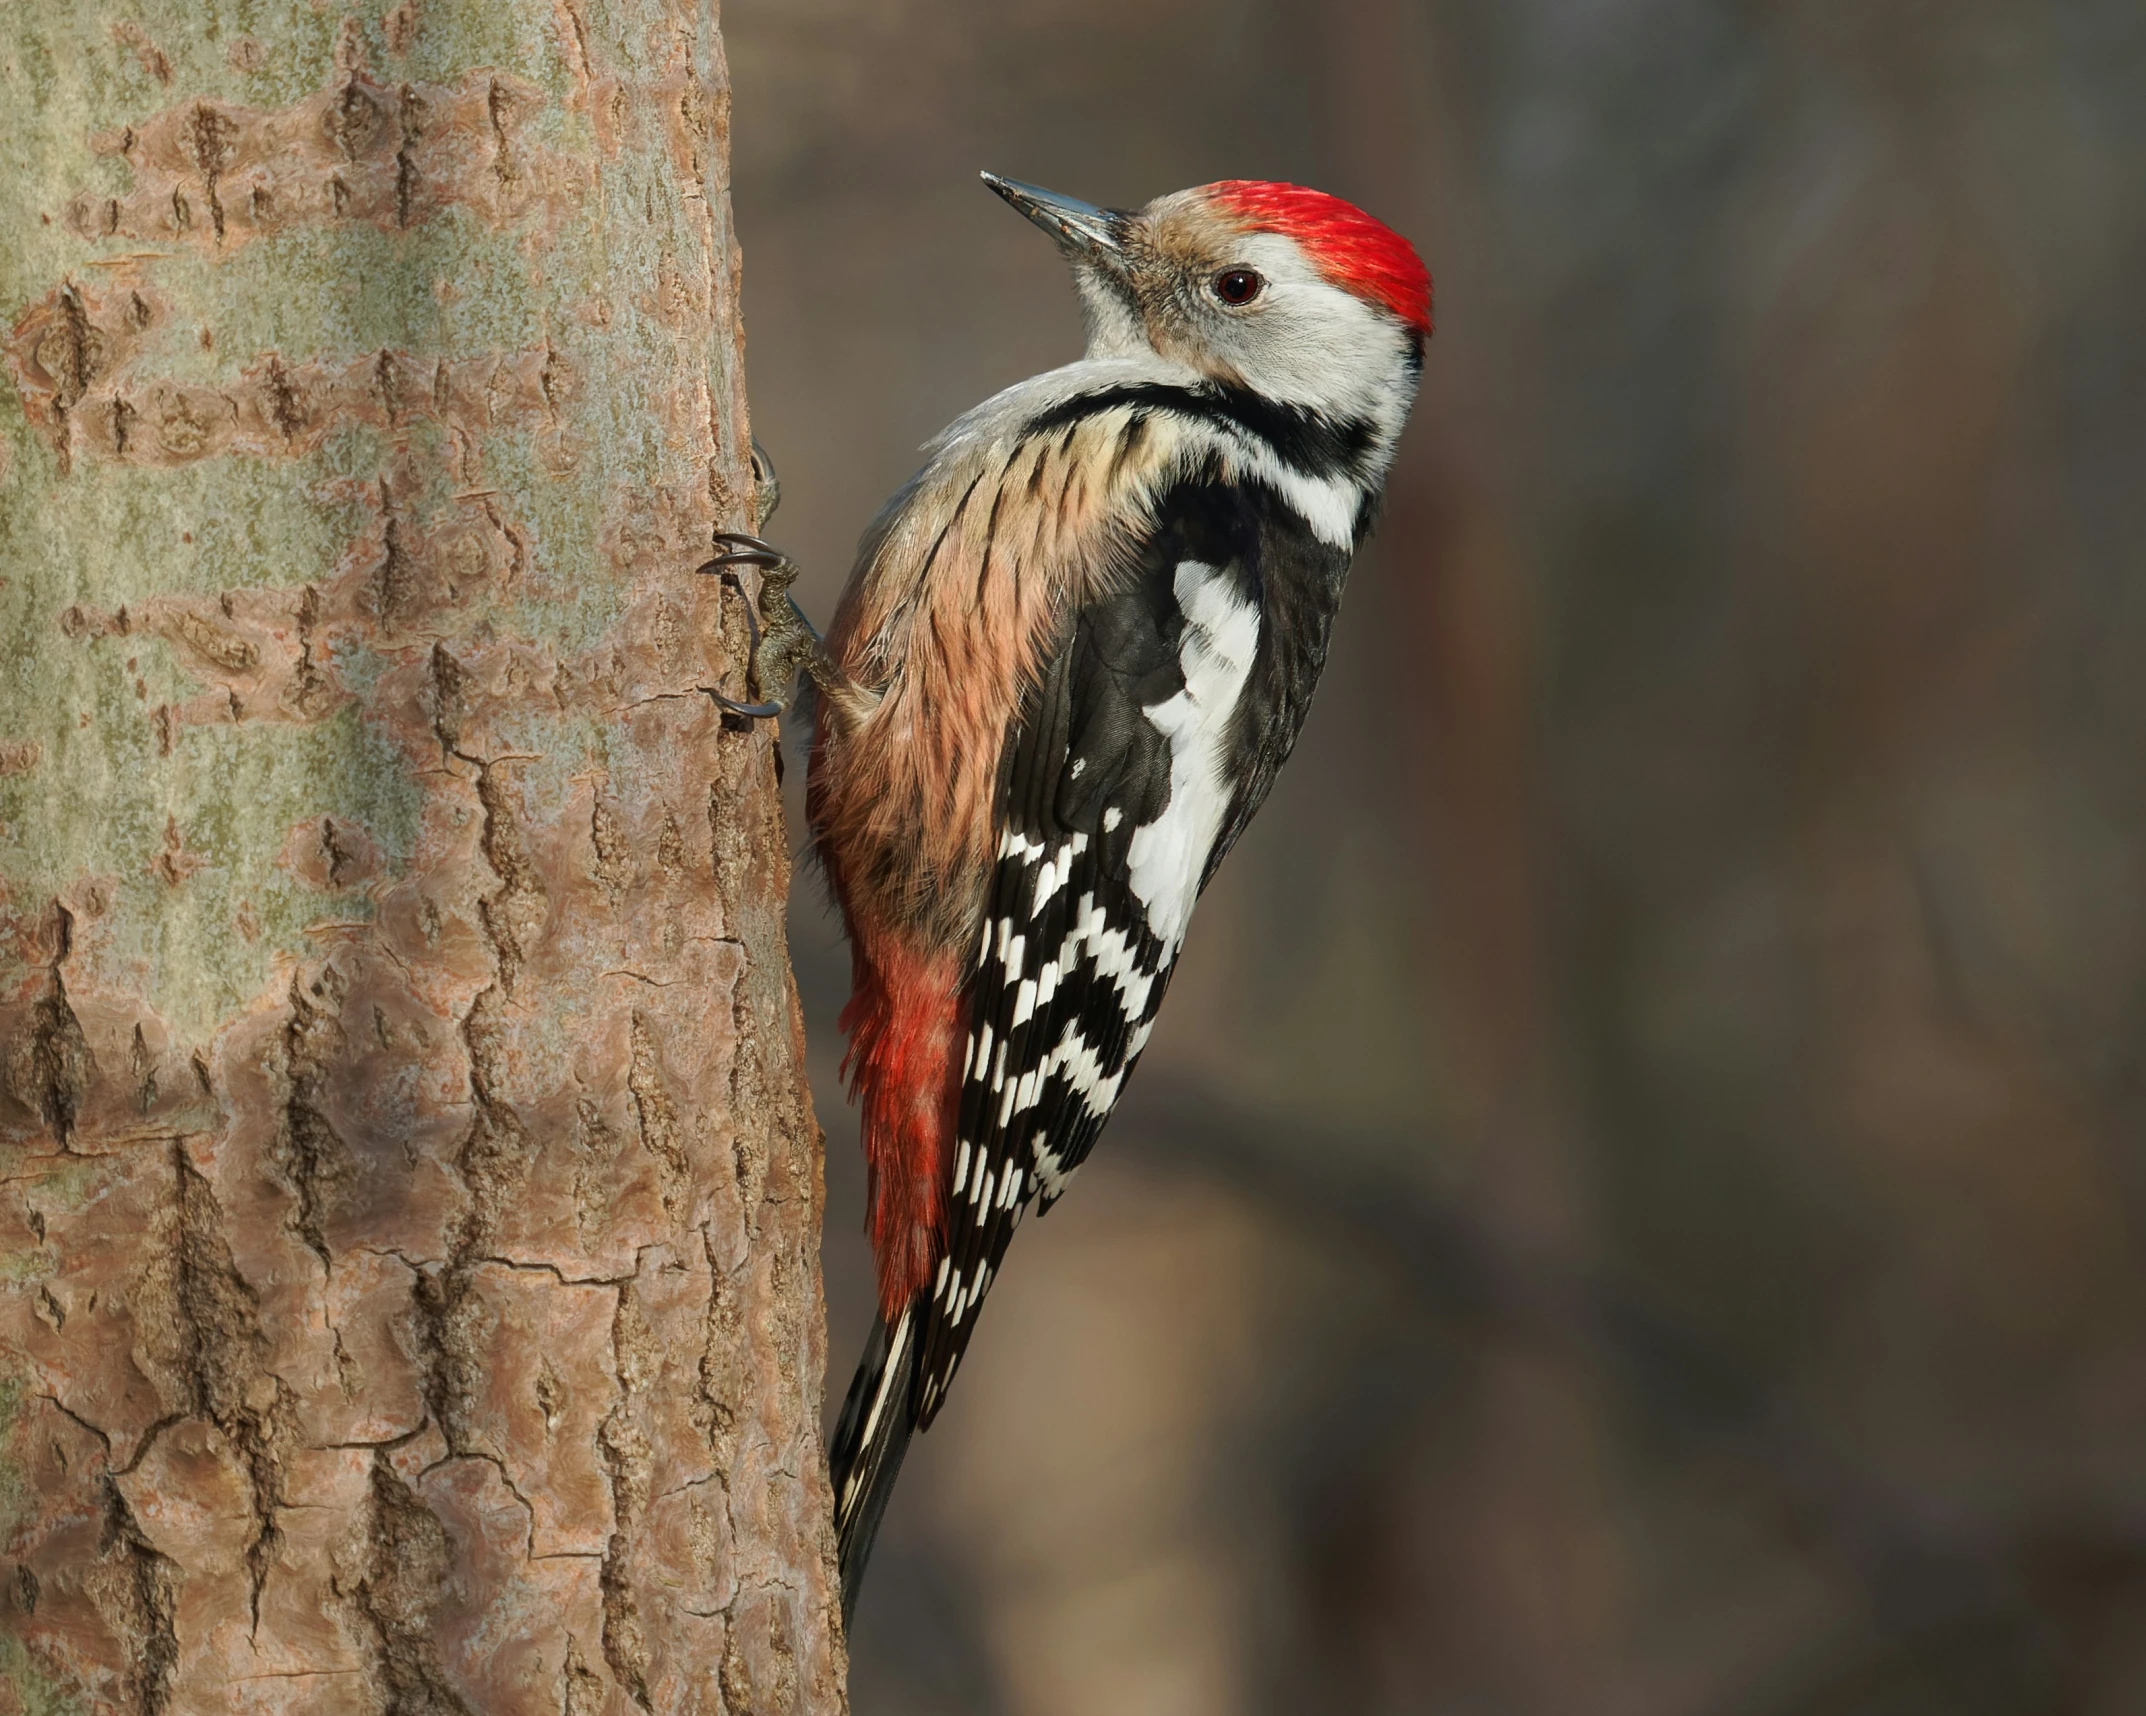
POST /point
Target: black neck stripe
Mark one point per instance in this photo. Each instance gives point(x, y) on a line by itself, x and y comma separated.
point(1306, 440)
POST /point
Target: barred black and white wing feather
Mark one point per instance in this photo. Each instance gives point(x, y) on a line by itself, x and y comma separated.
point(1151, 738)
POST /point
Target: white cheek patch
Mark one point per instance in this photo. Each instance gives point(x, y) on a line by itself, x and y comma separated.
point(1318, 345)
point(1166, 857)
point(1328, 504)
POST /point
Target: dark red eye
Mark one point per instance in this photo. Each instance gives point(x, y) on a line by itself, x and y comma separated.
point(1237, 285)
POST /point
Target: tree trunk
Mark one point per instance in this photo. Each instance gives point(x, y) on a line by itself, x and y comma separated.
point(409, 1297)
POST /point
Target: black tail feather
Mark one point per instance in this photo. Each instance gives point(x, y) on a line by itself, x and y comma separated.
point(871, 1436)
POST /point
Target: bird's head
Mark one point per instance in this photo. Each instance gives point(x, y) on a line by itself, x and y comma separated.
point(1291, 292)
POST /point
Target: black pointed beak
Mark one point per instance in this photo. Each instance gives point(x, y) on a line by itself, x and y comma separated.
point(1081, 229)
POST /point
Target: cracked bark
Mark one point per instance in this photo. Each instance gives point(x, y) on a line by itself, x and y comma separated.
point(409, 1197)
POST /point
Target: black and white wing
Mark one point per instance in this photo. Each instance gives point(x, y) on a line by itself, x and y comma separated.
point(1151, 738)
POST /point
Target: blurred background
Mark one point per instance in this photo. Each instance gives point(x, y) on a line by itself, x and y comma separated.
point(1637, 1202)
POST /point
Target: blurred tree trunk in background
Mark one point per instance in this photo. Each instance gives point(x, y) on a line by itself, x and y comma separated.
point(1522, 1577)
point(410, 1296)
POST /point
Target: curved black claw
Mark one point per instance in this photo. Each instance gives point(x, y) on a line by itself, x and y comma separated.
point(743, 557)
point(735, 557)
point(782, 642)
point(740, 549)
point(751, 711)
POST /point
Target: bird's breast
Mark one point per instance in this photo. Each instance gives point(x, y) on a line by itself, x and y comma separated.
point(961, 594)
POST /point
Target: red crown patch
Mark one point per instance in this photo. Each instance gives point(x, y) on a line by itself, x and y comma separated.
point(1349, 247)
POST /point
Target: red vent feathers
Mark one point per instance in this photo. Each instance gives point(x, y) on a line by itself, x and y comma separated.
point(904, 1065)
point(1351, 249)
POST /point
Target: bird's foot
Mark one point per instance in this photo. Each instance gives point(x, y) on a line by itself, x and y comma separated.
point(783, 641)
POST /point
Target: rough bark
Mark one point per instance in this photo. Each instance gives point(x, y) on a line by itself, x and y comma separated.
point(409, 1197)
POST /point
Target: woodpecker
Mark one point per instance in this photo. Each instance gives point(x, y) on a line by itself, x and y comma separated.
point(1072, 655)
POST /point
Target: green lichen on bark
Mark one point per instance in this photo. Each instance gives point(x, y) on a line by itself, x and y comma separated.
point(35, 1692)
point(517, 253)
point(14, 1485)
point(391, 967)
